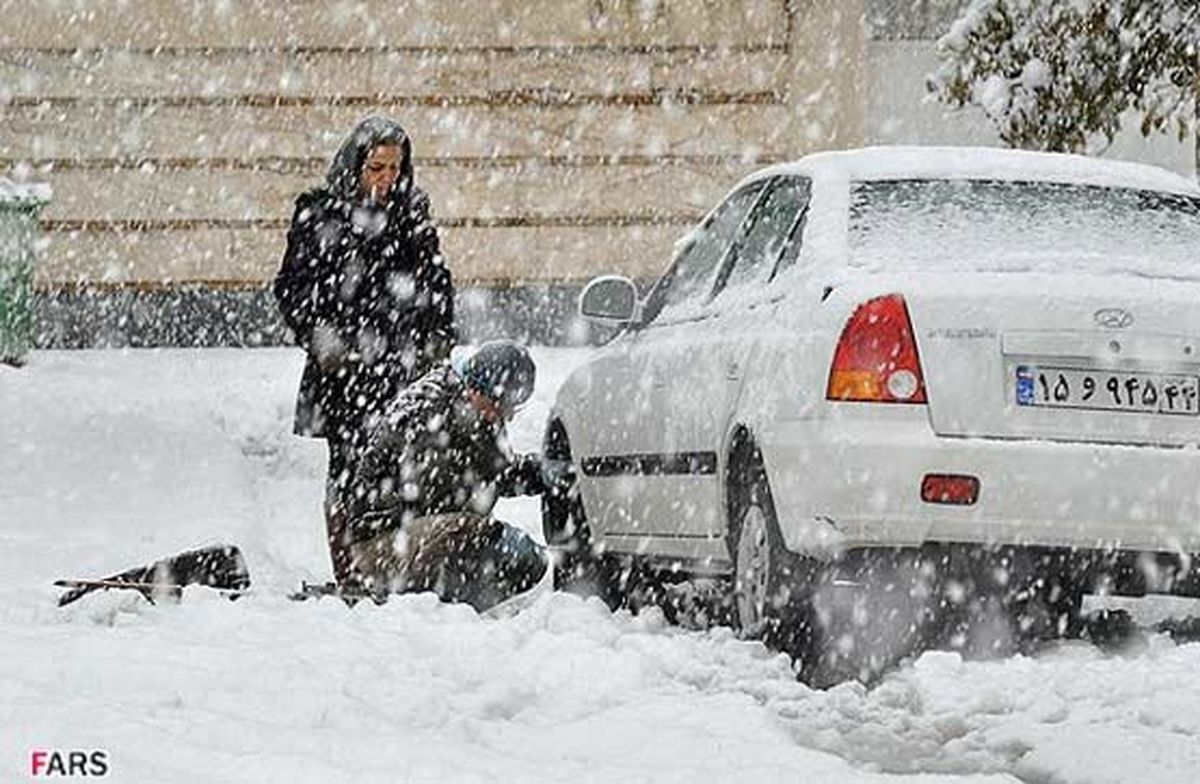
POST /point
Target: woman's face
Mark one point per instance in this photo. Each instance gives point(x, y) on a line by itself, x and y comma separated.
point(380, 171)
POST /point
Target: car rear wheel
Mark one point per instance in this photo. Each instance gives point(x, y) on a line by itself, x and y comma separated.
point(797, 604)
point(753, 569)
point(772, 587)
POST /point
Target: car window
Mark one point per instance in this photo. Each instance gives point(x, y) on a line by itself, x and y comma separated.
point(768, 231)
point(795, 235)
point(692, 276)
point(1022, 226)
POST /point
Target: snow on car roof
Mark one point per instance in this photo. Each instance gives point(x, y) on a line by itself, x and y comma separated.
point(982, 163)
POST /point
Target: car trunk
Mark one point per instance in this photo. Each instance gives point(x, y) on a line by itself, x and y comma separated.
point(1079, 358)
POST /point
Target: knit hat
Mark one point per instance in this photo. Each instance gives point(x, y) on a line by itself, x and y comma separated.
point(502, 371)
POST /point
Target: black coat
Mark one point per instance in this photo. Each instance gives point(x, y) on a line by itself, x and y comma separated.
point(432, 453)
point(364, 291)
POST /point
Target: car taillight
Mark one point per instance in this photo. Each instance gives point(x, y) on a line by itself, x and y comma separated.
point(954, 489)
point(876, 359)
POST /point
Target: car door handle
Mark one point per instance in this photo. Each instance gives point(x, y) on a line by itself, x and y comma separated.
point(733, 372)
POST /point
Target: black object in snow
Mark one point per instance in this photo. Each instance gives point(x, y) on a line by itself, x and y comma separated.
point(221, 567)
point(482, 574)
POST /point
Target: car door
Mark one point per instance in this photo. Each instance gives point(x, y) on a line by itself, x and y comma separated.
point(625, 454)
point(703, 366)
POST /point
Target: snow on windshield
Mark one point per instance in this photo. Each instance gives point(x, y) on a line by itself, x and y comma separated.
point(1022, 226)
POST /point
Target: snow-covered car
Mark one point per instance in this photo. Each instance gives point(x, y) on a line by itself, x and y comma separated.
point(943, 379)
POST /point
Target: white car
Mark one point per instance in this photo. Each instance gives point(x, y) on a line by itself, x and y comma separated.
point(954, 377)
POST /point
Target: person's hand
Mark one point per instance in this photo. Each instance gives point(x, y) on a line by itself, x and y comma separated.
point(557, 475)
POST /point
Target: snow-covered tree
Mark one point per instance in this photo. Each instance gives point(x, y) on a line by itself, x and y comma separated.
point(1059, 74)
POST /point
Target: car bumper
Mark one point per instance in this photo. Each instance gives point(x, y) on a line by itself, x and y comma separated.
point(858, 484)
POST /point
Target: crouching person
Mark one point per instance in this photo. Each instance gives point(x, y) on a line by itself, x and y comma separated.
point(424, 489)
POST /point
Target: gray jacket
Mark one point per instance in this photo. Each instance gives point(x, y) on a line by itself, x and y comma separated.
point(432, 453)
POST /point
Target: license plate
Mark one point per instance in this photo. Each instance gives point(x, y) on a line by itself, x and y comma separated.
point(1107, 390)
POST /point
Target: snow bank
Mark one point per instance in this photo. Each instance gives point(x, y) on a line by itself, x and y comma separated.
point(110, 459)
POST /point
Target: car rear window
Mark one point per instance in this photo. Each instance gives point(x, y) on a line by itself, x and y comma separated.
point(1042, 227)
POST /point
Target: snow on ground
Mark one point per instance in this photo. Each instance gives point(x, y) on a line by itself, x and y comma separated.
point(113, 459)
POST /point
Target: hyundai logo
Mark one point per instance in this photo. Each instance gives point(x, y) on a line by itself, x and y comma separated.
point(1113, 318)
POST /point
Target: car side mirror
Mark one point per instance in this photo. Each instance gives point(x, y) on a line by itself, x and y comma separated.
point(609, 299)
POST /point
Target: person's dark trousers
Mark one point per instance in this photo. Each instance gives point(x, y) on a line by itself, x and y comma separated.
point(342, 458)
point(460, 556)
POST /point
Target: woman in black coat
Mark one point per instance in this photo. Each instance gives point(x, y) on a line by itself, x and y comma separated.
point(363, 288)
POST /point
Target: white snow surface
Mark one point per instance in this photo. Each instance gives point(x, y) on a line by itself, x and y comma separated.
point(113, 459)
point(900, 162)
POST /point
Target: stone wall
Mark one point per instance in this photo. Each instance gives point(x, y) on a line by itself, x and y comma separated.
point(558, 138)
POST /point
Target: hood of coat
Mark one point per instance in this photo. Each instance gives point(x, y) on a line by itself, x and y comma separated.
point(344, 179)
